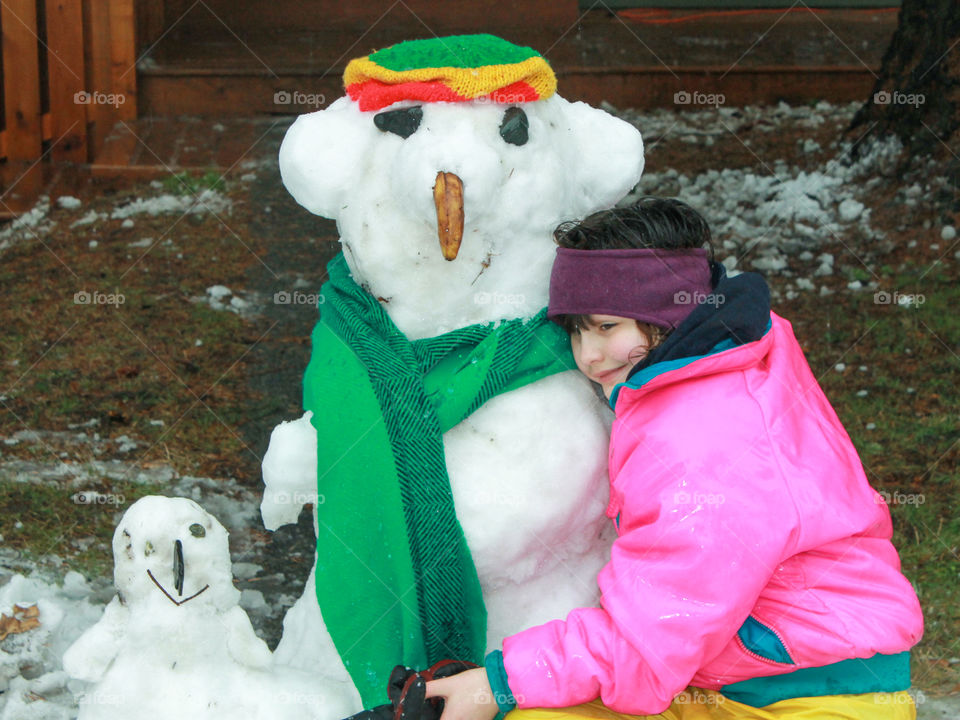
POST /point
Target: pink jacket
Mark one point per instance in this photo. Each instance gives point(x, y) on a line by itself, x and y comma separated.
point(736, 492)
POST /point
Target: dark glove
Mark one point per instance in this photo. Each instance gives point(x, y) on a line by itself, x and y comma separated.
point(407, 691)
point(413, 703)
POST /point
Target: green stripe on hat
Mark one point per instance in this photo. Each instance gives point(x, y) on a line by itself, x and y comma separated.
point(459, 51)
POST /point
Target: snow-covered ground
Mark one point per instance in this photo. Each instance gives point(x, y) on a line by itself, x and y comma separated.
point(776, 221)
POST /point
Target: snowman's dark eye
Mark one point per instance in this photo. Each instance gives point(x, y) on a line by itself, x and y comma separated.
point(403, 122)
point(197, 530)
point(515, 127)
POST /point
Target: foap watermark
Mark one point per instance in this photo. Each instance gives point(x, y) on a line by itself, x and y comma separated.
point(298, 498)
point(99, 98)
point(486, 497)
point(911, 696)
point(301, 698)
point(696, 97)
point(502, 99)
point(683, 297)
point(498, 298)
point(886, 97)
point(299, 99)
point(283, 297)
point(96, 297)
point(482, 697)
point(898, 498)
point(882, 297)
point(92, 497)
point(696, 696)
point(102, 698)
point(683, 497)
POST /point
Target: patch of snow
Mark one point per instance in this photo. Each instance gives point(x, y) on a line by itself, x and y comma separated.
point(91, 217)
point(68, 202)
point(850, 210)
point(206, 201)
point(219, 292)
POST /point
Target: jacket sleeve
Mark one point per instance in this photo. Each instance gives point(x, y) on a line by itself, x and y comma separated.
point(682, 578)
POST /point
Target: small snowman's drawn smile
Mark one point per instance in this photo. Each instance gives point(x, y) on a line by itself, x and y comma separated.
point(178, 572)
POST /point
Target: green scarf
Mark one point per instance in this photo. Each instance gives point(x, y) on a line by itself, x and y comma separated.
point(395, 580)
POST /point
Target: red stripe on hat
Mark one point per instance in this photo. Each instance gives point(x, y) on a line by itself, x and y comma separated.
point(376, 95)
point(518, 92)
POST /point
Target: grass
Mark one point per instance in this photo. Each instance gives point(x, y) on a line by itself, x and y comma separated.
point(188, 183)
point(70, 524)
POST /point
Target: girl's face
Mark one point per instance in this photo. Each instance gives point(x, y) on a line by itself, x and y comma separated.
point(607, 348)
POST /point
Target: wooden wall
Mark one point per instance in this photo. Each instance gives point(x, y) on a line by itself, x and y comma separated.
point(68, 75)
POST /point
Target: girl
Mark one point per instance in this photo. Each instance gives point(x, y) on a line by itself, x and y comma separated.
point(753, 574)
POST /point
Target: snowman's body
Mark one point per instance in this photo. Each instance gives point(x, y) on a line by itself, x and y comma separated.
point(169, 648)
point(528, 468)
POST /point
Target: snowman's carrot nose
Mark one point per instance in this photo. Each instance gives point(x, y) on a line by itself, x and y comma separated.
point(448, 197)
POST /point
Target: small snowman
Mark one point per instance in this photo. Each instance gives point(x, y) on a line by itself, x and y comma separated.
point(174, 643)
point(455, 459)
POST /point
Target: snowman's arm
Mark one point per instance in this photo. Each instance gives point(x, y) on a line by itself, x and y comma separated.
point(90, 656)
point(242, 642)
point(289, 472)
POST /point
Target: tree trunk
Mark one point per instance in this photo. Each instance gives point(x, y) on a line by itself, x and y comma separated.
point(917, 94)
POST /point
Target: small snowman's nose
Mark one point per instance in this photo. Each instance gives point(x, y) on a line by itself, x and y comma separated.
point(448, 197)
point(178, 566)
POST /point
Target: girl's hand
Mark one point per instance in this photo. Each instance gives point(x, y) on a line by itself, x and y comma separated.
point(467, 696)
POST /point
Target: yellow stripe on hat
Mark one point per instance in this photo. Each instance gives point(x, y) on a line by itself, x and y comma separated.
point(467, 82)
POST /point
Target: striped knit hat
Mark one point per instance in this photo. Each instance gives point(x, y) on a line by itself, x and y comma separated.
point(449, 69)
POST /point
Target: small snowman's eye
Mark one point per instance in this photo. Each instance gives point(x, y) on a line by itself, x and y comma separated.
point(197, 530)
point(515, 127)
point(147, 549)
point(403, 122)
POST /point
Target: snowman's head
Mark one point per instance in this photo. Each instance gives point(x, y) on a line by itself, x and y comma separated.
point(452, 160)
point(172, 552)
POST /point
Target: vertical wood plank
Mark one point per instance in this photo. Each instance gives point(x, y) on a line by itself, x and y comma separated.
point(21, 83)
point(123, 58)
point(96, 20)
point(150, 25)
point(65, 69)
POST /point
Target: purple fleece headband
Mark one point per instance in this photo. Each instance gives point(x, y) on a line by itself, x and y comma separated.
point(660, 287)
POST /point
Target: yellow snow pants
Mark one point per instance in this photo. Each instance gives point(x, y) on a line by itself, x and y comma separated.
point(697, 704)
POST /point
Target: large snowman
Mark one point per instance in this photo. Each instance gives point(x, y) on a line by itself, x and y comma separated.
point(456, 462)
point(174, 643)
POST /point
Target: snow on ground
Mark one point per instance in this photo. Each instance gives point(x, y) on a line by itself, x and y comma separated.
point(29, 225)
point(766, 221)
point(220, 297)
point(36, 224)
point(206, 201)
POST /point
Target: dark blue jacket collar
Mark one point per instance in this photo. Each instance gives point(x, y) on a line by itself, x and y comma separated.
point(737, 312)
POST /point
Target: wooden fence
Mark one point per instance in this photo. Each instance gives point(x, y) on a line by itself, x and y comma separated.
point(68, 75)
